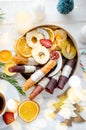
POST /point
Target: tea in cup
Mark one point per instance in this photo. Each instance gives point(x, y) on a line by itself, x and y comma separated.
point(2, 104)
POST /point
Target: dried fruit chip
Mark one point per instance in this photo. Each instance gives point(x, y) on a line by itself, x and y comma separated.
point(5, 56)
point(8, 117)
point(46, 42)
point(51, 33)
point(33, 38)
point(18, 59)
point(6, 67)
point(54, 55)
point(40, 54)
point(68, 49)
point(23, 48)
point(60, 35)
point(28, 110)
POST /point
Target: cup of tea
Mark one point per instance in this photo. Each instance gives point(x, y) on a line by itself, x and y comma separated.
point(2, 104)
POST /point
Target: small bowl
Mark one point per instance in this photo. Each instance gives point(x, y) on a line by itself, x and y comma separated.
point(54, 27)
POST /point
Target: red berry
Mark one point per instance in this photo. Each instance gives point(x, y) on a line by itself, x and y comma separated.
point(46, 42)
point(8, 117)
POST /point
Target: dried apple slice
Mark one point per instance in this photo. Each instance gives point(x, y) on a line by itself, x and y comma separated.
point(33, 38)
point(44, 32)
point(41, 54)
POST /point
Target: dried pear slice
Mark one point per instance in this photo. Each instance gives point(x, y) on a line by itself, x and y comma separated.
point(50, 32)
point(60, 35)
point(68, 49)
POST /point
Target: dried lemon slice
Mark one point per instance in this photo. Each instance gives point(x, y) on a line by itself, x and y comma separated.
point(23, 48)
point(5, 56)
point(6, 68)
point(28, 110)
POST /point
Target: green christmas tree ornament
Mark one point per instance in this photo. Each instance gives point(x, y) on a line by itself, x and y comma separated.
point(65, 6)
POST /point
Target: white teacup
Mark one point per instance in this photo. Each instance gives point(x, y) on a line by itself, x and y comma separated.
point(2, 104)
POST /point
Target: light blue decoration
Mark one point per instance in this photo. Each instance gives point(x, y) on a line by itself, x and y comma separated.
point(65, 6)
point(59, 118)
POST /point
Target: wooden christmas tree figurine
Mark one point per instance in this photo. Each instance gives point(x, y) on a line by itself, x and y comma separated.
point(65, 6)
point(70, 104)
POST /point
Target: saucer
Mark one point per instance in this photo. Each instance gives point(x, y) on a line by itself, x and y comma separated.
point(10, 92)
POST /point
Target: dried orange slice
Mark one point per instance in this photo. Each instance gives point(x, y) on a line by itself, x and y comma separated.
point(5, 56)
point(23, 48)
point(7, 66)
point(28, 110)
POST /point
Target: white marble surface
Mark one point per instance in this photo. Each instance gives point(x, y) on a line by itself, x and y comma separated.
point(72, 22)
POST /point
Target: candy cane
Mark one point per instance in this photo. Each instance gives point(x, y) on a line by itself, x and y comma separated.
point(83, 54)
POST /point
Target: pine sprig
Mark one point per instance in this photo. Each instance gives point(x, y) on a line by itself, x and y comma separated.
point(1, 64)
point(1, 15)
point(12, 81)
